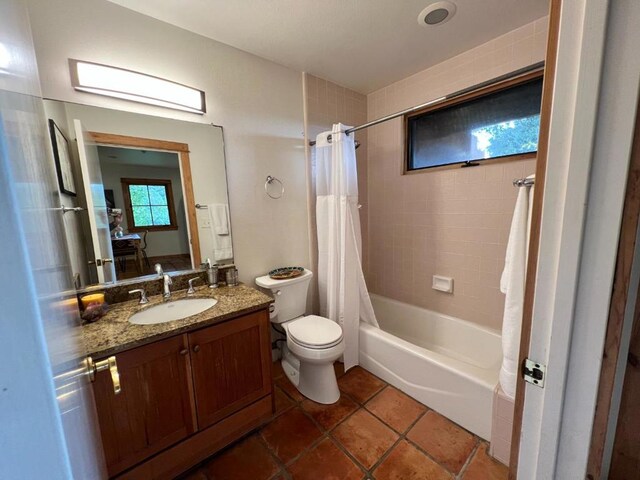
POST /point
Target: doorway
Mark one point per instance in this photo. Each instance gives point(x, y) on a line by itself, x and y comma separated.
point(153, 212)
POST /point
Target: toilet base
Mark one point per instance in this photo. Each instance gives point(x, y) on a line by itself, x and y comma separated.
point(316, 381)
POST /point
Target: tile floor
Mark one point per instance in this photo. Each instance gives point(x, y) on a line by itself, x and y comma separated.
point(373, 432)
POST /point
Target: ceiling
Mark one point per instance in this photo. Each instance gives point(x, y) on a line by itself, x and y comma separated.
point(360, 44)
point(134, 157)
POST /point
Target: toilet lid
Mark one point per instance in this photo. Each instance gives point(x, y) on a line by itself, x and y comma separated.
point(315, 332)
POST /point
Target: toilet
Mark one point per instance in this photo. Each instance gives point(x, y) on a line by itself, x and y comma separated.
point(313, 342)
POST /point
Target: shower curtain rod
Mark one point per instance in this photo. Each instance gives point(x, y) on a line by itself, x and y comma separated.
point(464, 91)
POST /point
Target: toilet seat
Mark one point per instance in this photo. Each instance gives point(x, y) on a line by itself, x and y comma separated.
point(314, 332)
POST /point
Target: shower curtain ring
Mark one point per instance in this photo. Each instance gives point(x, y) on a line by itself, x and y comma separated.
point(269, 181)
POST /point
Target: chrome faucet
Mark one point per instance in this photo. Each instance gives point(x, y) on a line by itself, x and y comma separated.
point(158, 269)
point(166, 293)
point(192, 290)
point(143, 295)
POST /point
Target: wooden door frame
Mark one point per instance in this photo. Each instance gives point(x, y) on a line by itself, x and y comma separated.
point(617, 311)
point(536, 221)
point(182, 150)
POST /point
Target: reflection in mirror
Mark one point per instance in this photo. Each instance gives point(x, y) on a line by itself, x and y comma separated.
point(145, 201)
point(137, 181)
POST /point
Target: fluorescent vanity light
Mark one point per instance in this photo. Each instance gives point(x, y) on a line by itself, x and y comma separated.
point(134, 86)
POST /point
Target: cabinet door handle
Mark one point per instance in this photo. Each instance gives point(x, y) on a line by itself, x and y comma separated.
point(107, 364)
point(184, 351)
point(196, 348)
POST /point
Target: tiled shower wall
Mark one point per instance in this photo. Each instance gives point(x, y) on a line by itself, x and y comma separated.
point(325, 104)
point(452, 222)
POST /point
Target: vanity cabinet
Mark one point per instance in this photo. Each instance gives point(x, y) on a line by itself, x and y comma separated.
point(153, 410)
point(231, 366)
point(185, 397)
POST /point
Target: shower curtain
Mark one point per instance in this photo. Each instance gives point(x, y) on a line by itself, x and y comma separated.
point(343, 293)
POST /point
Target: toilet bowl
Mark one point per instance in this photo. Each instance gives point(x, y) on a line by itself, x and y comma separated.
point(313, 344)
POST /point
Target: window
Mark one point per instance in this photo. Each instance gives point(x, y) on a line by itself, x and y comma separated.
point(149, 204)
point(496, 122)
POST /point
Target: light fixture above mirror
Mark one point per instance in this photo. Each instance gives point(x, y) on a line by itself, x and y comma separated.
point(137, 87)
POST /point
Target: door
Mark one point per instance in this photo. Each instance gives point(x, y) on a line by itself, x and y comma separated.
point(49, 429)
point(96, 204)
point(231, 365)
point(154, 407)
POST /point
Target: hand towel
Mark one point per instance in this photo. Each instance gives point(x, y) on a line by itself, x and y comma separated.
point(219, 219)
point(219, 213)
point(512, 284)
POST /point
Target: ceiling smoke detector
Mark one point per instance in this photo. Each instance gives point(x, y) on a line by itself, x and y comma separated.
point(436, 14)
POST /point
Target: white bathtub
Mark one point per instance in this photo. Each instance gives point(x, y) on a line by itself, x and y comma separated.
point(448, 364)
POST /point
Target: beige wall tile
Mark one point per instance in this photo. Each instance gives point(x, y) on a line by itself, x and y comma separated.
point(325, 104)
point(449, 222)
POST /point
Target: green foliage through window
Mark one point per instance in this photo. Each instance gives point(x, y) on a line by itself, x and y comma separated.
point(150, 205)
point(502, 123)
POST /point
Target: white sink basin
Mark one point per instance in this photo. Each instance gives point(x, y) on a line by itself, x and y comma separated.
point(169, 311)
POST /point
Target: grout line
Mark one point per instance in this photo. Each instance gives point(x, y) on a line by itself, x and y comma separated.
point(401, 437)
point(466, 464)
point(265, 444)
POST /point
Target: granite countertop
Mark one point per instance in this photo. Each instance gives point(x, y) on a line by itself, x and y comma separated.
point(113, 333)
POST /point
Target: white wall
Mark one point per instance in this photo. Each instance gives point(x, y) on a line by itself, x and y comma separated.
point(165, 242)
point(258, 102)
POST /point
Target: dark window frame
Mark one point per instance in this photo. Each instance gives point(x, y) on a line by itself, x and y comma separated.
point(467, 97)
point(126, 182)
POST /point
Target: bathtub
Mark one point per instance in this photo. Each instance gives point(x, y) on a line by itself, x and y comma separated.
point(448, 364)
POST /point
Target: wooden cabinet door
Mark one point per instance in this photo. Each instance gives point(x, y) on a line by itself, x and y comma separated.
point(155, 408)
point(231, 365)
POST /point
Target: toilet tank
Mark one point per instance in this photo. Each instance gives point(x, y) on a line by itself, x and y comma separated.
point(290, 295)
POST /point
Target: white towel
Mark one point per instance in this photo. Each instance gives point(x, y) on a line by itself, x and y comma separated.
point(219, 214)
point(219, 218)
point(512, 284)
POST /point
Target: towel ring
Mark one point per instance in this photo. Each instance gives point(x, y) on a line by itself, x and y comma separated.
point(269, 181)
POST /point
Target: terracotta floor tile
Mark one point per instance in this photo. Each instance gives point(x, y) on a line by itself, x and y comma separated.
point(483, 467)
point(365, 437)
point(327, 462)
point(395, 408)
point(285, 384)
point(277, 370)
point(360, 384)
point(446, 442)
point(338, 367)
point(290, 433)
point(406, 462)
point(328, 416)
point(283, 402)
point(232, 463)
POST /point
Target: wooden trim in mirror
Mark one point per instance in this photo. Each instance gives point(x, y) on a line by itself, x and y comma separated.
point(138, 142)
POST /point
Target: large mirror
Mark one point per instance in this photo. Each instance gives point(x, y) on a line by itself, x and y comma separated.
point(137, 191)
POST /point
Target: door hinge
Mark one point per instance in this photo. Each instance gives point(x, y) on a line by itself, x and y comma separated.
point(534, 372)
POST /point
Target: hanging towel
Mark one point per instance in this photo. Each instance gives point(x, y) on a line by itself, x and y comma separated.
point(512, 285)
point(219, 219)
point(219, 213)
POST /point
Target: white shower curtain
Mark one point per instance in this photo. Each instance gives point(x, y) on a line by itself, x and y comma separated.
point(343, 293)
